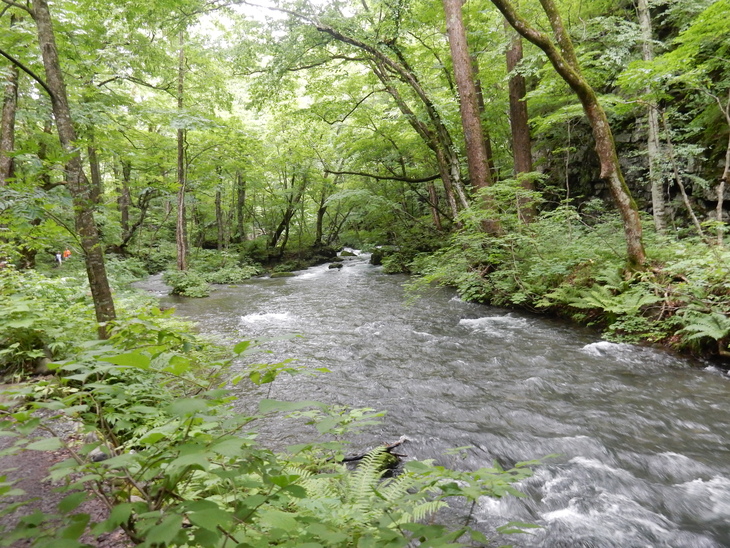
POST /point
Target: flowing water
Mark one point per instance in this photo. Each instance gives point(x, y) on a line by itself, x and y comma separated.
point(641, 436)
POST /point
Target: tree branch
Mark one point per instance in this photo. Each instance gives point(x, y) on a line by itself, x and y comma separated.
point(384, 177)
point(29, 72)
point(10, 3)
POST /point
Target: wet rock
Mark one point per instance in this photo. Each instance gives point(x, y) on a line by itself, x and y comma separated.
point(282, 274)
point(335, 265)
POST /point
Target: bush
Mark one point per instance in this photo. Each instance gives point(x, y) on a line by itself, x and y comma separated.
point(231, 274)
point(186, 283)
point(40, 318)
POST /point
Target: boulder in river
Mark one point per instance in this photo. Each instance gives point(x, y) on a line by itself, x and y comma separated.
point(335, 265)
point(282, 274)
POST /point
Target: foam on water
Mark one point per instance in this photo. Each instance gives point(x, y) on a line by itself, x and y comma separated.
point(267, 318)
point(603, 348)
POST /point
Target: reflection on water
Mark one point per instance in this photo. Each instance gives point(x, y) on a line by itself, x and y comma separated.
point(641, 436)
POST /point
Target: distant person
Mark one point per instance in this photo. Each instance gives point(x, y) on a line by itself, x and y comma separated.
point(59, 259)
point(67, 254)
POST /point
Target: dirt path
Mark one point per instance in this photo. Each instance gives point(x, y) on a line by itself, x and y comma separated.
point(30, 471)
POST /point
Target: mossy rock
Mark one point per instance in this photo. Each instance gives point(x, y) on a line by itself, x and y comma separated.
point(282, 275)
point(346, 253)
point(337, 259)
point(336, 265)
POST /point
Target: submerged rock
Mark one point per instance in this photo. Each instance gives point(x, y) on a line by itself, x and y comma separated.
point(282, 274)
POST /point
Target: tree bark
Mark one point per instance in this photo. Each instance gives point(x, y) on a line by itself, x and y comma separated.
point(659, 210)
point(519, 122)
point(219, 218)
point(7, 123)
point(181, 233)
point(476, 152)
point(482, 109)
point(565, 63)
point(240, 203)
point(124, 200)
point(81, 191)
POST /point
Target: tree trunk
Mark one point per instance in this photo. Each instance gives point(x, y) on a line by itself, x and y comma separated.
point(80, 189)
point(7, 122)
point(519, 123)
point(181, 233)
point(240, 202)
point(219, 218)
point(319, 226)
point(566, 65)
point(725, 172)
point(476, 152)
point(652, 144)
point(482, 109)
point(7, 137)
point(124, 200)
point(433, 205)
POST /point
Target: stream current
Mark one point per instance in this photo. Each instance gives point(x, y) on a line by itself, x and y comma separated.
point(642, 437)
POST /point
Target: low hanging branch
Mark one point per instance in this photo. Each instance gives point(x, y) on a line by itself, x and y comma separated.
point(29, 72)
point(385, 177)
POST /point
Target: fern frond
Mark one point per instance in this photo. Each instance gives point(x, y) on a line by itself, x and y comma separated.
point(715, 326)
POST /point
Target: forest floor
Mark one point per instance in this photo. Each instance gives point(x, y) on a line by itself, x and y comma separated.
point(30, 472)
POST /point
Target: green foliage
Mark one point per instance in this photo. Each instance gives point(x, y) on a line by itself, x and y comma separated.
point(232, 274)
point(39, 318)
point(186, 283)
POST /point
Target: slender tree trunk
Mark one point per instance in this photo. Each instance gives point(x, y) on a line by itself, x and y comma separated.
point(565, 63)
point(240, 203)
point(659, 210)
point(319, 226)
point(519, 122)
point(7, 136)
point(181, 232)
point(95, 172)
point(79, 187)
point(124, 200)
point(433, 205)
point(482, 109)
point(7, 122)
point(219, 219)
point(725, 172)
point(476, 152)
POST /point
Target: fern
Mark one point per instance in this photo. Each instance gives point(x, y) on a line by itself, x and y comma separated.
point(714, 326)
point(602, 298)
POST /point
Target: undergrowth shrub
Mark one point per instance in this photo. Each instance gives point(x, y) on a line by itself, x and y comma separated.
point(40, 318)
point(187, 283)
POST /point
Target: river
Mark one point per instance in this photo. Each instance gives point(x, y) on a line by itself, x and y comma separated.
point(642, 437)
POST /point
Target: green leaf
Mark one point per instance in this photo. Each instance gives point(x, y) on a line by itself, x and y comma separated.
point(241, 347)
point(193, 460)
point(164, 532)
point(76, 527)
point(208, 515)
point(187, 406)
point(71, 502)
point(133, 359)
point(47, 444)
point(276, 519)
